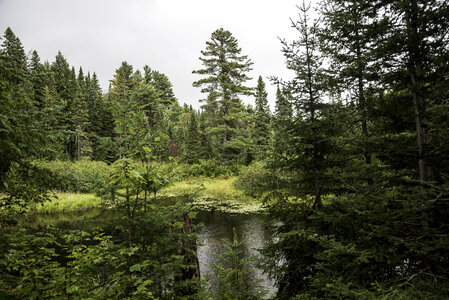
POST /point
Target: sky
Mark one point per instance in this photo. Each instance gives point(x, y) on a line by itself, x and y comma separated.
point(166, 35)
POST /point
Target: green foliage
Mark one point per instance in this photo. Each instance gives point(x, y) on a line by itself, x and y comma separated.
point(257, 179)
point(53, 264)
point(24, 185)
point(68, 202)
point(225, 69)
point(233, 274)
point(83, 176)
point(192, 144)
point(151, 255)
point(379, 235)
point(262, 120)
point(350, 247)
point(210, 168)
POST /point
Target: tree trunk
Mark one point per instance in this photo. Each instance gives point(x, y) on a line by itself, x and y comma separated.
point(416, 87)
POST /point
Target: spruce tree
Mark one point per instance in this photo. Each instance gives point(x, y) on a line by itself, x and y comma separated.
point(191, 141)
point(14, 58)
point(262, 119)
point(349, 35)
point(61, 75)
point(130, 121)
point(415, 58)
point(161, 84)
point(16, 126)
point(282, 125)
point(307, 90)
point(79, 116)
point(37, 78)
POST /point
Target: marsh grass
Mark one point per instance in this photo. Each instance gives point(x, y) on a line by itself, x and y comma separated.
point(216, 188)
point(214, 194)
point(69, 202)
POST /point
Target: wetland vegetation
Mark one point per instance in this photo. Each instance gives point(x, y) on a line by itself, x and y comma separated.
point(340, 192)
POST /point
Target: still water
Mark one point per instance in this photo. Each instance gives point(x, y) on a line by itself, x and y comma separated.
point(217, 227)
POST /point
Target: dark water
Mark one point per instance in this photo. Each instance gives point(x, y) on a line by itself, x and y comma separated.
point(217, 228)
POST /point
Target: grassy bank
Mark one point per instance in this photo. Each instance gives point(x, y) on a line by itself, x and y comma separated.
point(208, 193)
point(69, 202)
point(215, 193)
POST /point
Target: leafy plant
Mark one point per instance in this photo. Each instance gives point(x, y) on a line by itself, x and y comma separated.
point(234, 272)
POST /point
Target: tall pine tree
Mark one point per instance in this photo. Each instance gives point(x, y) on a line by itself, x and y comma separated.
point(226, 73)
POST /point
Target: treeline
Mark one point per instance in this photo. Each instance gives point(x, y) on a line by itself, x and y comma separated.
point(76, 119)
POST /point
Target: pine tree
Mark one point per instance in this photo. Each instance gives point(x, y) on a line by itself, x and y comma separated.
point(226, 70)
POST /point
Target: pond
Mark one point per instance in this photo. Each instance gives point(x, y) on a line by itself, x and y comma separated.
point(251, 229)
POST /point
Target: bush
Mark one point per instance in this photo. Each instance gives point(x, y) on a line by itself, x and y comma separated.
point(234, 274)
point(256, 179)
point(210, 168)
point(83, 176)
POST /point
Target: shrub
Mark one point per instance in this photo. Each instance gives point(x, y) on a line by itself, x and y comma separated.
point(234, 274)
point(256, 179)
point(210, 168)
point(83, 176)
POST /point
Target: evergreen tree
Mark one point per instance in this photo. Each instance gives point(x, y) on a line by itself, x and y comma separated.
point(206, 150)
point(14, 59)
point(349, 35)
point(416, 60)
point(311, 125)
point(100, 121)
point(262, 119)
point(61, 75)
point(130, 121)
point(226, 70)
point(16, 139)
point(391, 232)
point(37, 77)
point(192, 144)
point(162, 85)
point(282, 124)
point(79, 116)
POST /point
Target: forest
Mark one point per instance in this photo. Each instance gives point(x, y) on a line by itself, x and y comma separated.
point(349, 171)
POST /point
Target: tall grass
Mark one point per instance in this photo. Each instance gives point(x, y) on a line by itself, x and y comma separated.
point(69, 202)
point(222, 189)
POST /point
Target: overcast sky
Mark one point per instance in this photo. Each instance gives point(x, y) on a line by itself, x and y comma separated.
point(167, 35)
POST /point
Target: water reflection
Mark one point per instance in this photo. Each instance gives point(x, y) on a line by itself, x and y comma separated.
point(218, 227)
